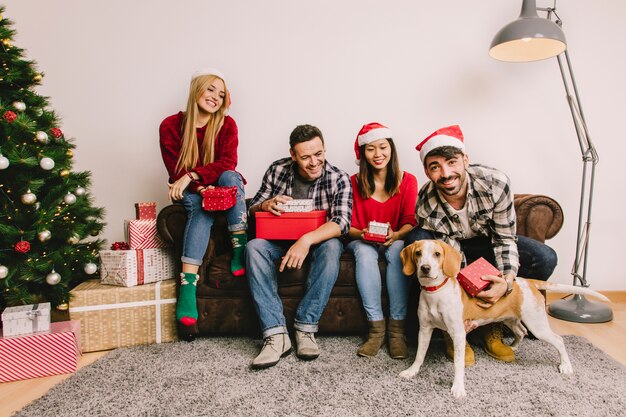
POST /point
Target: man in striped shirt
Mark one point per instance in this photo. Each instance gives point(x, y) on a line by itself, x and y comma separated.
point(304, 175)
point(471, 208)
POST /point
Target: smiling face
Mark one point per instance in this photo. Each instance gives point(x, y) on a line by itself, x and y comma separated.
point(309, 157)
point(212, 98)
point(448, 174)
point(378, 153)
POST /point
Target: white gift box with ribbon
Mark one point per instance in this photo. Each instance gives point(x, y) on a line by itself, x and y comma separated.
point(26, 319)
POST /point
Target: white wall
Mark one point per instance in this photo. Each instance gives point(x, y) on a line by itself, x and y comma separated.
point(114, 69)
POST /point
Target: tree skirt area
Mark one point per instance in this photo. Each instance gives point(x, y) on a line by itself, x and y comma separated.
point(211, 377)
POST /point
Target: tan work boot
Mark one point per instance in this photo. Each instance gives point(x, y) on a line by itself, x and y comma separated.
point(491, 338)
point(397, 340)
point(274, 348)
point(375, 339)
point(306, 346)
point(469, 353)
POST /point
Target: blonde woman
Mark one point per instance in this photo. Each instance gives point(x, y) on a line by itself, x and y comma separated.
point(199, 149)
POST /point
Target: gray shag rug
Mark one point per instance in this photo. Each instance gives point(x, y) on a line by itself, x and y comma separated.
point(211, 377)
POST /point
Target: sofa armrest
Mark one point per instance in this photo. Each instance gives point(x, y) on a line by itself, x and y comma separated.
point(538, 216)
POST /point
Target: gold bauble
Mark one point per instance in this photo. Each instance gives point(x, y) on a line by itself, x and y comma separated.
point(69, 153)
point(63, 307)
point(64, 173)
point(37, 78)
point(6, 42)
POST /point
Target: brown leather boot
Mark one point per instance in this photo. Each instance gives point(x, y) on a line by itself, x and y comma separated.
point(375, 339)
point(397, 340)
point(469, 353)
point(491, 338)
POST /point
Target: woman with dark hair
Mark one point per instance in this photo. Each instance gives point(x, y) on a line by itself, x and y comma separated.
point(384, 194)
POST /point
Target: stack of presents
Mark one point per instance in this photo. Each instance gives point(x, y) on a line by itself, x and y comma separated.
point(133, 303)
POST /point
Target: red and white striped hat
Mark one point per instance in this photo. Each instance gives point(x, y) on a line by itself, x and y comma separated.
point(369, 133)
point(446, 136)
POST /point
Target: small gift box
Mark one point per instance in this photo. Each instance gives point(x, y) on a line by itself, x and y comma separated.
point(144, 211)
point(219, 198)
point(287, 226)
point(376, 232)
point(142, 234)
point(297, 206)
point(26, 319)
point(470, 276)
point(128, 268)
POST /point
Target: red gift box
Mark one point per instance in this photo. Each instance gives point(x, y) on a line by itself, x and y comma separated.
point(219, 198)
point(145, 211)
point(287, 226)
point(41, 354)
point(470, 276)
point(142, 234)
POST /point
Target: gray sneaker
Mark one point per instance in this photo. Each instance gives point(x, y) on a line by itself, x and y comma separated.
point(274, 348)
point(306, 345)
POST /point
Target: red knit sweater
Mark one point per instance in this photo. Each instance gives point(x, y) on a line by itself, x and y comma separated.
point(225, 149)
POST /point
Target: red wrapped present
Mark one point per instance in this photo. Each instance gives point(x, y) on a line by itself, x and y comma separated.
point(41, 354)
point(145, 211)
point(142, 234)
point(470, 276)
point(219, 198)
point(287, 226)
point(376, 232)
point(128, 268)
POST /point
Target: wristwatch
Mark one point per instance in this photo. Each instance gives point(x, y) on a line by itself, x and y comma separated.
point(509, 286)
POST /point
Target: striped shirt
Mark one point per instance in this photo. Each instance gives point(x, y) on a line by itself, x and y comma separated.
point(330, 192)
point(490, 210)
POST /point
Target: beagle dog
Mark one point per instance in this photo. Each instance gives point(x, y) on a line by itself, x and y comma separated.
point(443, 304)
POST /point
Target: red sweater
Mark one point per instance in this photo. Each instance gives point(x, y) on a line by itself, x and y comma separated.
point(225, 149)
point(397, 211)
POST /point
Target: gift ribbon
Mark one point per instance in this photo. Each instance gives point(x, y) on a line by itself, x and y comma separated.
point(33, 315)
point(156, 302)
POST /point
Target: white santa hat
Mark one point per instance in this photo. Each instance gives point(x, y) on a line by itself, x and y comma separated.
point(369, 133)
point(217, 73)
point(446, 136)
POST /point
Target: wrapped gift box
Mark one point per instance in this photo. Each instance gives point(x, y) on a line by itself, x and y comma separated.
point(297, 206)
point(287, 226)
point(26, 319)
point(145, 211)
point(470, 276)
point(128, 268)
point(376, 232)
point(113, 317)
point(142, 234)
point(53, 352)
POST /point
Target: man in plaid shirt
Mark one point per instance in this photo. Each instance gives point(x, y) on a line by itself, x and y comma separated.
point(304, 175)
point(471, 208)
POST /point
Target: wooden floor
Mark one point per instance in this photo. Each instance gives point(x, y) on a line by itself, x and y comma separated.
point(610, 337)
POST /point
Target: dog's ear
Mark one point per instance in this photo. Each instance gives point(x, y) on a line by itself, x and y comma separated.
point(451, 260)
point(408, 262)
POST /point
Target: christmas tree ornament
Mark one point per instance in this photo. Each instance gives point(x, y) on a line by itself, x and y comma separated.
point(37, 78)
point(44, 235)
point(53, 278)
point(41, 136)
point(19, 105)
point(56, 132)
point(79, 191)
point(22, 246)
point(64, 173)
point(4, 162)
point(90, 268)
point(46, 163)
point(4, 272)
point(28, 198)
point(69, 198)
point(63, 307)
point(6, 42)
point(39, 112)
point(69, 153)
point(9, 116)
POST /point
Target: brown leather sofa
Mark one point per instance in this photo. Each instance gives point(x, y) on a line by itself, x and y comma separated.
point(224, 301)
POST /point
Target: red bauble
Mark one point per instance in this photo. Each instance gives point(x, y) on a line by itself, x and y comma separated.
point(56, 132)
point(9, 116)
point(120, 246)
point(22, 246)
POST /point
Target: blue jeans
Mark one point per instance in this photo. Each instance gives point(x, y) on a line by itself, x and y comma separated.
point(536, 260)
point(200, 221)
point(261, 268)
point(369, 281)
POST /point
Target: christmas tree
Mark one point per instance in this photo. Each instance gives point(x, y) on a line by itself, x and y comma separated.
point(48, 224)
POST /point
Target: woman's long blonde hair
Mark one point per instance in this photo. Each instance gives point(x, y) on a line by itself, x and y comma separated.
point(189, 152)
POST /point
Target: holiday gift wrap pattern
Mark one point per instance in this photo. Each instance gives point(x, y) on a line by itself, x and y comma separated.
point(470, 276)
point(145, 210)
point(26, 319)
point(142, 234)
point(128, 268)
point(297, 206)
point(113, 317)
point(54, 352)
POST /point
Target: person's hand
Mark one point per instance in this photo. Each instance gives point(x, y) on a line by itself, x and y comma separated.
point(391, 236)
point(294, 258)
point(272, 205)
point(177, 188)
point(493, 292)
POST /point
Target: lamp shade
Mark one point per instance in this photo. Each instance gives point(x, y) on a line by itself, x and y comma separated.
point(529, 38)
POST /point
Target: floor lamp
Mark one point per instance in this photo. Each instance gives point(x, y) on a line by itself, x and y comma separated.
point(533, 38)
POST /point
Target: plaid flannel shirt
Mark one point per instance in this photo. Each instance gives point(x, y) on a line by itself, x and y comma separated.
point(331, 192)
point(490, 210)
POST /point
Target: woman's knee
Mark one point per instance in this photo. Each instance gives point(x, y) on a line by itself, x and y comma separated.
point(230, 178)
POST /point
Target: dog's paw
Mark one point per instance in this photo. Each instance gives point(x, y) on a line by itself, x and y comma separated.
point(458, 391)
point(566, 368)
point(407, 374)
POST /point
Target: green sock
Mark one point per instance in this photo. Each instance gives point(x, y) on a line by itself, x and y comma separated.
point(238, 263)
point(186, 310)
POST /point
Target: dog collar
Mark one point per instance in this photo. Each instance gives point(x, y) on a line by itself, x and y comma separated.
point(436, 287)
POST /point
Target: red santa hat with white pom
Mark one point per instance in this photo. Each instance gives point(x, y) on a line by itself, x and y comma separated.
point(369, 133)
point(446, 136)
